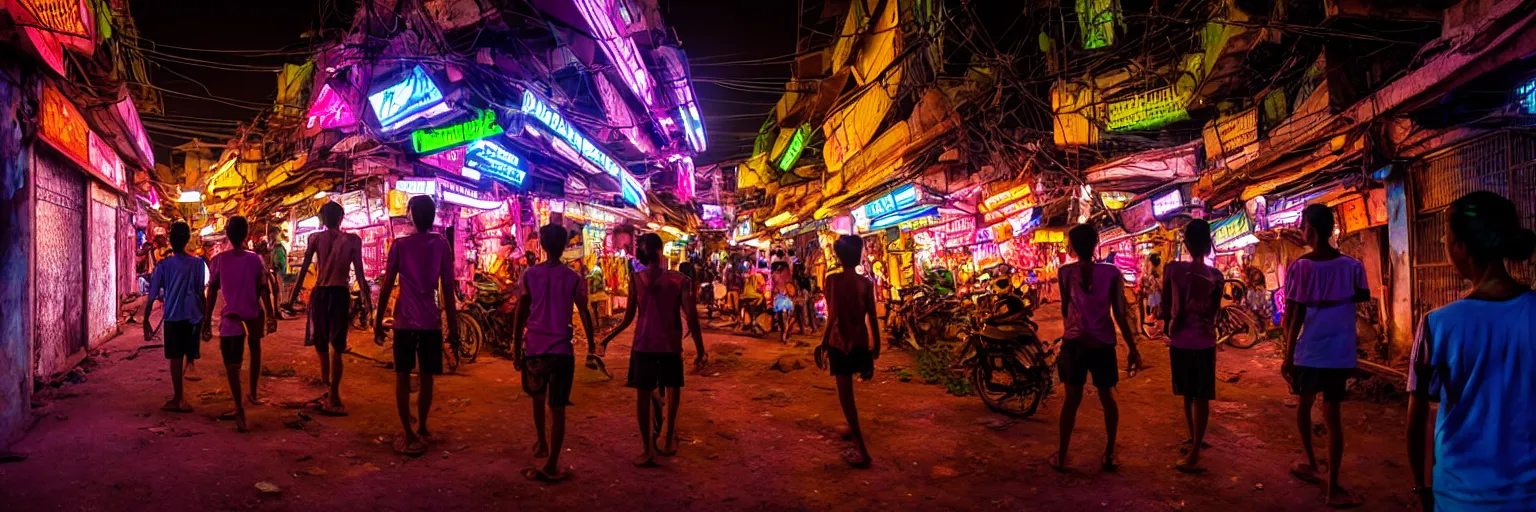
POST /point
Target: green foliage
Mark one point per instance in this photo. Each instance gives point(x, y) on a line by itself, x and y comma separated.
point(937, 364)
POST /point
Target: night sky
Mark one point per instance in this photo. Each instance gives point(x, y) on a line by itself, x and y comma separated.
point(717, 35)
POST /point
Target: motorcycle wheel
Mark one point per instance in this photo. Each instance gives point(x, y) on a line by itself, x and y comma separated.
point(470, 337)
point(1018, 397)
point(1242, 330)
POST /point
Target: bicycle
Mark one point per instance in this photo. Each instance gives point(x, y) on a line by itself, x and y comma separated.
point(1236, 324)
point(1010, 369)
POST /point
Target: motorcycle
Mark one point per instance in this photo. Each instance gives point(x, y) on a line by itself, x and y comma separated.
point(1009, 367)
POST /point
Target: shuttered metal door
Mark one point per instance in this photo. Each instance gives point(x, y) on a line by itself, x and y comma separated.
point(1502, 162)
point(59, 283)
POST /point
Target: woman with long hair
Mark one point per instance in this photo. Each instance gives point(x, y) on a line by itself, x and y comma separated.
point(1477, 357)
point(1092, 306)
point(1192, 294)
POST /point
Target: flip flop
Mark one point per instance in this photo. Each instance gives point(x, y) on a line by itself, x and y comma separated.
point(250, 400)
point(855, 459)
point(1342, 498)
point(539, 475)
point(1305, 474)
point(1054, 461)
point(175, 408)
point(662, 451)
point(403, 447)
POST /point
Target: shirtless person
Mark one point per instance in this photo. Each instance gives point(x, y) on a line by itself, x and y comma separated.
point(330, 303)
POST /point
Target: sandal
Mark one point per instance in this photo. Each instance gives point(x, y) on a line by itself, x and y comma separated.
point(1054, 461)
point(174, 407)
point(855, 459)
point(539, 475)
point(1110, 464)
point(1184, 466)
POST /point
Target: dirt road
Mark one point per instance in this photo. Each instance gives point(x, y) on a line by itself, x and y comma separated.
point(753, 438)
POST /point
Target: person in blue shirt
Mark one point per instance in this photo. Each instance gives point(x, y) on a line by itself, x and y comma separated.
point(1477, 357)
point(178, 281)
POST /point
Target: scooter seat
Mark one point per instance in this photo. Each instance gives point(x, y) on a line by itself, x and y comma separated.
point(1006, 332)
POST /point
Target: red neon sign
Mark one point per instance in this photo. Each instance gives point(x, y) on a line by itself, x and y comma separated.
point(63, 127)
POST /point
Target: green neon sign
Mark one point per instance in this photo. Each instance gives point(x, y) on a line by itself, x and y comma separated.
point(793, 150)
point(434, 139)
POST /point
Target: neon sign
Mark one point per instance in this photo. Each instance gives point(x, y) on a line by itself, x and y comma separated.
point(414, 97)
point(329, 111)
point(433, 139)
point(795, 147)
point(1116, 200)
point(1167, 203)
point(1527, 96)
point(1008, 210)
point(1148, 110)
point(1004, 197)
point(685, 183)
point(632, 191)
point(490, 158)
point(546, 115)
point(452, 161)
point(892, 220)
point(63, 127)
point(902, 198)
point(618, 47)
point(1230, 228)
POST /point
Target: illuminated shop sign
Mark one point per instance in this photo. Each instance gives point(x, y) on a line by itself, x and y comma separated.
point(1002, 198)
point(490, 159)
point(1008, 210)
point(744, 229)
point(329, 111)
point(621, 51)
point(433, 139)
point(632, 191)
point(1024, 222)
point(898, 218)
point(62, 126)
point(795, 147)
point(557, 124)
point(105, 161)
point(589, 213)
point(65, 17)
point(1138, 218)
point(451, 161)
point(710, 212)
point(1148, 110)
point(902, 198)
point(1231, 229)
point(1167, 203)
point(447, 192)
point(1526, 95)
point(414, 97)
point(1116, 200)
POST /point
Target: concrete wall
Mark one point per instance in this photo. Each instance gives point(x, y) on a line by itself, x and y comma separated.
point(18, 91)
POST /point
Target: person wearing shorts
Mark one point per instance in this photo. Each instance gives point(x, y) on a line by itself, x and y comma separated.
point(178, 281)
point(1193, 292)
point(661, 302)
point(851, 340)
point(547, 294)
point(1092, 305)
point(239, 277)
point(334, 252)
point(423, 265)
point(1321, 290)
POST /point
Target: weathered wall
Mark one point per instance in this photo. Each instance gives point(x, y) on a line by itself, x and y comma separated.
point(18, 100)
point(60, 262)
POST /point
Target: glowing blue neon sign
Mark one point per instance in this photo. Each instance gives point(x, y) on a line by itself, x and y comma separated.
point(413, 98)
point(491, 159)
point(892, 220)
point(631, 189)
point(904, 197)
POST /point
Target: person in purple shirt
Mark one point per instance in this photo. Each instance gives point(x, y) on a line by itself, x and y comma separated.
point(661, 301)
point(547, 293)
point(1092, 305)
point(1191, 293)
point(1321, 290)
point(423, 265)
point(178, 280)
point(239, 276)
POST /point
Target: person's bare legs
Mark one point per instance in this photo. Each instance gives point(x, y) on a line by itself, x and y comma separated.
point(540, 447)
point(1197, 412)
point(178, 402)
point(335, 382)
point(669, 427)
point(851, 413)
point(233, 372)
point(556, 441)
point(325, 367)
point(424, 405)
point(1111, 424)
point(403, 406)
point(1305, 470)
point(254, 397)
point(1068, 421)
point(643, 403)
point(1337, 494)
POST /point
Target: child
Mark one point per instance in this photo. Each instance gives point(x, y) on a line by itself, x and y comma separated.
point(1321, 290)
point(661, 299)
point(330, 303)
point(547, 292)
point(852, 338)
point(1193, 294)
point(1092, 305)
point(241, 277)
point(1478, 357)
point(423, 262)
point(178, 280)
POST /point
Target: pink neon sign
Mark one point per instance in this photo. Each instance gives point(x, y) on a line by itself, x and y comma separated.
point(330, 110)
point(685, 183)
point(130, 116)
point(452, 161)
point(618, 47)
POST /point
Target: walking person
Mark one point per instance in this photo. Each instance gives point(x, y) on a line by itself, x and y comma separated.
point(1477, 357)
point(178, 281)
point(661, 302)
point(852, 337)
point(1321, 290)
point(1092, 305)
point(547, 293)
point(334, 252)
point(1192, 292)
point(239, 276)
point(423, 264)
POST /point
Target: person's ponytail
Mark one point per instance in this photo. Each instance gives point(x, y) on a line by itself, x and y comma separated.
point(1520, 245)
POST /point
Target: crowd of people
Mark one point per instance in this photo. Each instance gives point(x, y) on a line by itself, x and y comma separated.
point(1474, 356)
